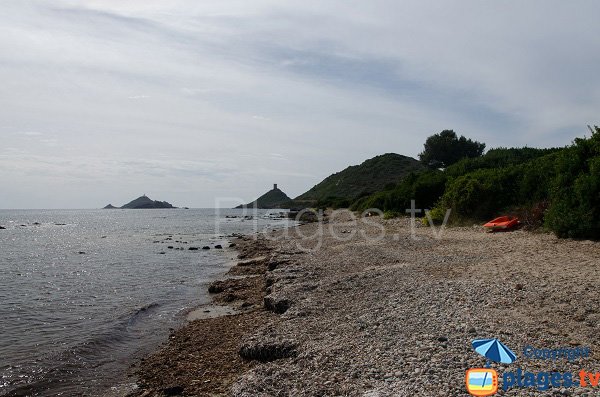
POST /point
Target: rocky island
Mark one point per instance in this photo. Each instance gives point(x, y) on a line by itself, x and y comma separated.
point(143, 202)
point(274, 198)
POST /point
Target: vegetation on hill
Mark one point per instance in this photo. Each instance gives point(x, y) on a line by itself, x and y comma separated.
point(446, 148)
point(556, 188)
point(274, 198)
point(343, 188)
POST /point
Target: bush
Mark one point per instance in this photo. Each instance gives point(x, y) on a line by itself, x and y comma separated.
point(575, 203)
point(559, 188)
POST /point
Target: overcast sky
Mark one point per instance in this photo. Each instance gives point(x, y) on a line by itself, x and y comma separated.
point(186, 101)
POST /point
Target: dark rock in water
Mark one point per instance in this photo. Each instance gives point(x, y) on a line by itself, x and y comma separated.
point(267, 350)
point(173, 391)
point(218, 246)
point(193, 248)
point(36, 223)
point(206, 247)
point(81, 252)
point(60, 224)
point(162, 253)
point(276, 305)
point(2, 228)
point(231, 245)
point(170, 247)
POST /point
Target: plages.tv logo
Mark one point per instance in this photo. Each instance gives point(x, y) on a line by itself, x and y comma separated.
point(484, 381)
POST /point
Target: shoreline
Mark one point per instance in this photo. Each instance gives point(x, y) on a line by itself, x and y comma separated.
point(211, 333)
point(384, 317)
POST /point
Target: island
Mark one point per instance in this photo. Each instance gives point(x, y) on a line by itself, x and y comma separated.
point(274, 198)
point(143, 202)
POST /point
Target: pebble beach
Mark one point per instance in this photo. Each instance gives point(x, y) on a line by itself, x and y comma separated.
point(383, 308)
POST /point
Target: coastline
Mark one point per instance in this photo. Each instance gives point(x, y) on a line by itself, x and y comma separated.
point(201, 357)
point(395, 316)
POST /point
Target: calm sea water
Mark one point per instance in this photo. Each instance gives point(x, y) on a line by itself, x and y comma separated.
point(85, 293)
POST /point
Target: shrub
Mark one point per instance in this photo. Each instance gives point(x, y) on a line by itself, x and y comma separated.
point(575, 203)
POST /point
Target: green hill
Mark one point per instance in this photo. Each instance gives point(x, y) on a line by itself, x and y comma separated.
point(274, 198)
point(557, 189)
point(342, 188)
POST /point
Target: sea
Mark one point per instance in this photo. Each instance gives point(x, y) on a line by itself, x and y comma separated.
point(84, 294)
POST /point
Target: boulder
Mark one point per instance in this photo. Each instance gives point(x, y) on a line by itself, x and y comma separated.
point(217, 287)
point(266, 351)
point(218, 246)
point(276, 304)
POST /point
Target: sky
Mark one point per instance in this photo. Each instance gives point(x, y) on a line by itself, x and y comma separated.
point(208, 103)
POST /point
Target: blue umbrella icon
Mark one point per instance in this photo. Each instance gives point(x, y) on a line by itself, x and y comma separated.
point(494, 350)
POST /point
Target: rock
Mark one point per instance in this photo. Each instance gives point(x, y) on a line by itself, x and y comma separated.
point(81, 252)
point(170, 247)
point(231, 245)
point(216, 287)
point(173, 391)
point(442, 339)
point(218, 246)
point(230, 297)
point(252, 262)
point(193, 249)
point(267, 351)
point(162, 253)
point(519, 287)
point(206, 247)
point(2, 228)
point(276, 305)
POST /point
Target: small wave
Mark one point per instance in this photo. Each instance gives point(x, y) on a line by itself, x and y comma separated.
point(66, 371)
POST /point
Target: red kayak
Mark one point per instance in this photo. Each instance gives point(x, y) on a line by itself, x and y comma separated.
point(502, 223)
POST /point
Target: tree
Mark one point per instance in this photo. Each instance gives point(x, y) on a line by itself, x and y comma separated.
point(445, 148)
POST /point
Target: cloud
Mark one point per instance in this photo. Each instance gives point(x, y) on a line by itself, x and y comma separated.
point(220, 97)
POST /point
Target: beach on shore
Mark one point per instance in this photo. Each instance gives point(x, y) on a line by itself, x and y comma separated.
point(383, 309)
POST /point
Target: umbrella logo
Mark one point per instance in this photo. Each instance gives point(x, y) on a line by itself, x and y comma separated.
point(484, 381)
point(494, 350)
